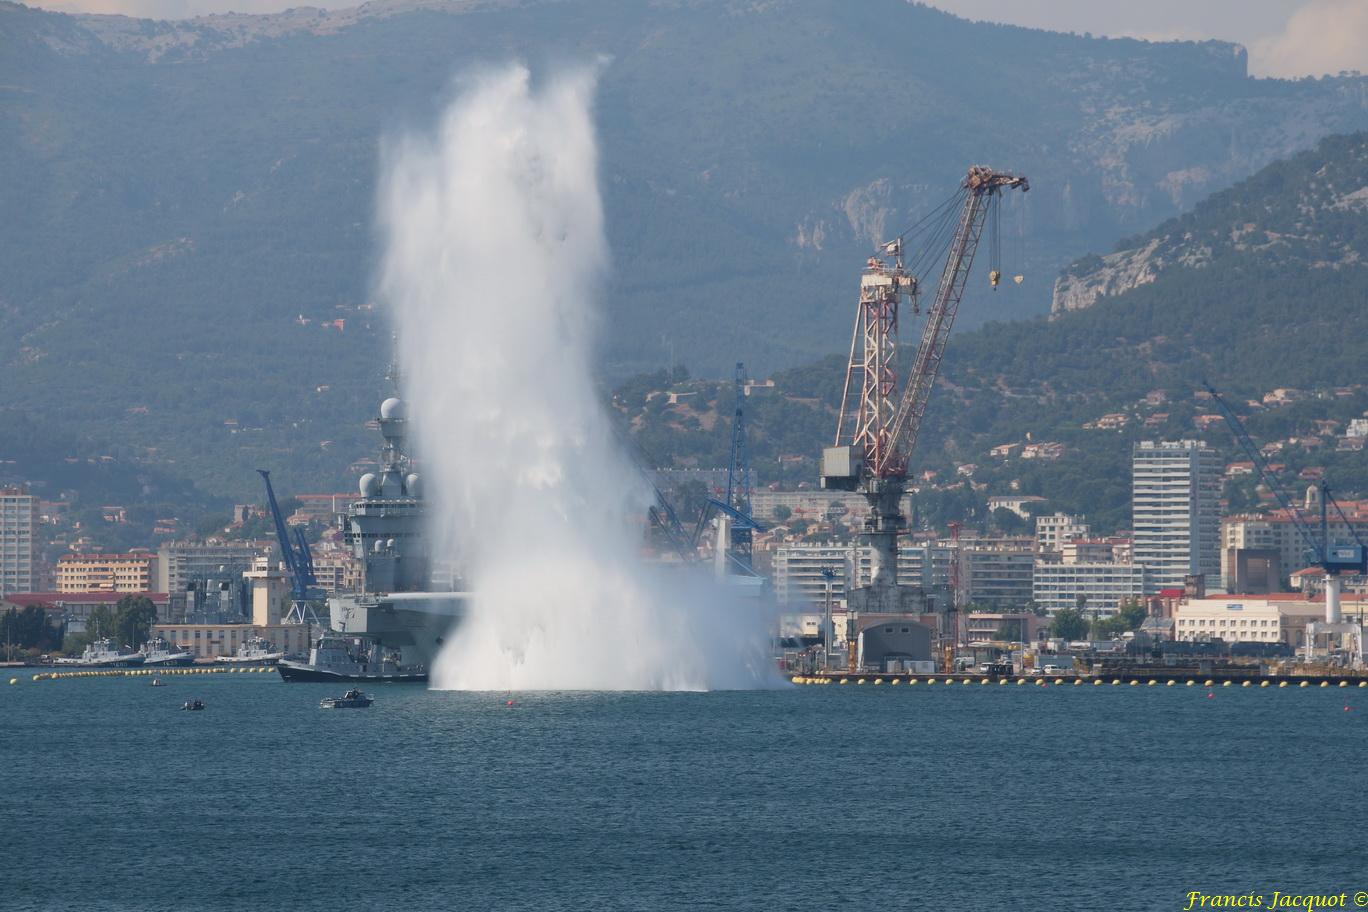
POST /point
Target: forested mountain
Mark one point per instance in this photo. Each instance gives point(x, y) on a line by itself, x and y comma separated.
point(1259, 288)
point(188, 206)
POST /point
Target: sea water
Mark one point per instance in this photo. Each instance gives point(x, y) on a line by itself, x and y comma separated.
point(857, 798)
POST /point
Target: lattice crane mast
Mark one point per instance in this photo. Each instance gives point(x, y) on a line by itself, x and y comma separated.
point(877, 431)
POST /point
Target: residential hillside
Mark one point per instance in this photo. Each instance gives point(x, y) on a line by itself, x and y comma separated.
point(1261, 289)
point(188, 206)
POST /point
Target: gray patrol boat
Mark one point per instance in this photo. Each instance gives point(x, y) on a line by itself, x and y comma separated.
point(394, 627)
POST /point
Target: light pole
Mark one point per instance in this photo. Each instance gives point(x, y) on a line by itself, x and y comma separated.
point(828, 577)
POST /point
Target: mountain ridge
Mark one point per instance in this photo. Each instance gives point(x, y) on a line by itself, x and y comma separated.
point(186, 233)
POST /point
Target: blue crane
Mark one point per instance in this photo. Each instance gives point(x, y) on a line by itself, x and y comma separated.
point(1320, 551)
point(737, 503)
point(298, 560)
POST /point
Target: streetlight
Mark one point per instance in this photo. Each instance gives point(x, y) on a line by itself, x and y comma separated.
point(828, 578)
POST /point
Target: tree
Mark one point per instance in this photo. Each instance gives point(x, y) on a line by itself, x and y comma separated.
point(1109, 628)
point(1011, 631)
point(1008, 521)
point(782, 513)
point(133, 619)
point(1132, 614)
point(1069, 624)
point(101, 622)
point(30, 628)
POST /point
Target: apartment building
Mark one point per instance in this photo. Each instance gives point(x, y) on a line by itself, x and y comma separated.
point(19, 545)
point(101, 572)
point(1175, 489)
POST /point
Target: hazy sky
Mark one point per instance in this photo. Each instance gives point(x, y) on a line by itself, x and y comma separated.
point(1284, 37)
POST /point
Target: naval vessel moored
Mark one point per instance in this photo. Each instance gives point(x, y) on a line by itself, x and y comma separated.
point(393, 629)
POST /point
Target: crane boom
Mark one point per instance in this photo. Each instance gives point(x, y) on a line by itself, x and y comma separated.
point(982, 183)
point(297, 559)
point(877, 430)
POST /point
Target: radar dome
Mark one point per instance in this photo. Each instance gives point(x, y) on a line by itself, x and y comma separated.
point(392, 409)
point(412, 482)
point(370, 485)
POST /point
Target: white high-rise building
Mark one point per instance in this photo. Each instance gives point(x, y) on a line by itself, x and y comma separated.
point(18, 540)
point(1175, 489)
point(798, 566)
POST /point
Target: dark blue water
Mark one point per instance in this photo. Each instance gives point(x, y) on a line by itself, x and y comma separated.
point(809, 798)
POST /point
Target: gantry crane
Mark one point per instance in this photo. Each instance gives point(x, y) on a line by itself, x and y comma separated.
point(298, 561)
point(736, 525)
point(1332, 559)
point(878, 429)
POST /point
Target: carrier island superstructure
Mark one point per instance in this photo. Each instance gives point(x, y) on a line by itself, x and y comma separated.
point(395, 626)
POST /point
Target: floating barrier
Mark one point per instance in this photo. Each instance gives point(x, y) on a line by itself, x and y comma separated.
point(141, 672)
point(1321, 681)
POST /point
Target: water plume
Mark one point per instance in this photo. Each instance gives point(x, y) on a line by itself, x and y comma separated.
point(494, 260)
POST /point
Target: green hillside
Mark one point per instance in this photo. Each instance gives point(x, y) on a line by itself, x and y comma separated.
point(1264, 286)
point(188, 206)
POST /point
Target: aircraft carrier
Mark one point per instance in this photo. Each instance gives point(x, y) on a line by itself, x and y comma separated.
point(393, 629)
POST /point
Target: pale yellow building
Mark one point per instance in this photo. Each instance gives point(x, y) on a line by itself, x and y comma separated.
point(135, 572)
point(210, 640)
point(270, 591)
point(1280, 617)
point(337, 571)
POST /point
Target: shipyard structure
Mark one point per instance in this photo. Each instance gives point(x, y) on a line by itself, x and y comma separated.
point(393, 628)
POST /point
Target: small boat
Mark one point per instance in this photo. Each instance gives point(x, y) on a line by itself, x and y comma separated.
point(157, 682)
point(105, 653)
point(158, 652)
point(254, 651)
point(352, 699)
point(193, 704)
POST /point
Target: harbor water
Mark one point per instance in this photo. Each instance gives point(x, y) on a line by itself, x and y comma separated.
point(851, 798)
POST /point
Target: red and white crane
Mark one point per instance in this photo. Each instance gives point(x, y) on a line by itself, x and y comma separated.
point(878, 428)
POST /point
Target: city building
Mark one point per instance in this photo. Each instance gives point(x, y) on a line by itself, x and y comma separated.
point(796, 570)
point(337, 570)
point(1175, 489)
point(814, 505)
point(1268, 548)
point(1053, 530)
point(1099, 586)
point(181, 563)
point(1017, 626)
point(1016, 503)
point(1088, 551)
point(77, 606)
point(101, 572)
point(995, 573)
point(18, 541)
point(210, 640)
point(322, 507)
point(270, 592)
point(1271, 618)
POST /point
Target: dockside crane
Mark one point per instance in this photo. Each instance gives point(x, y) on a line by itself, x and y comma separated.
point(739, 476)
point(878, 429)
point(735, 524)
point(732, 511)
point(1333, 559)
point(298, 560)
